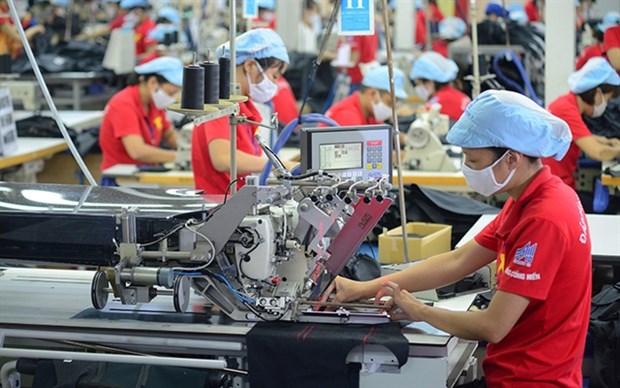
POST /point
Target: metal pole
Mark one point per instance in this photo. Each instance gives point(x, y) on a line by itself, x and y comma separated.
point(474, 49)
point(233, 82)
point(396, 132)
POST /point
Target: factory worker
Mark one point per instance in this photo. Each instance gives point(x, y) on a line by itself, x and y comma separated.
point(372, 103)
point(134, 121)
point(432, 73)
point(611, 46)
point(537, 320)
point(451, 29)
point(168, 20)
point(597, 49)
point(138, 19)
point(261, 58)
point(591, 88)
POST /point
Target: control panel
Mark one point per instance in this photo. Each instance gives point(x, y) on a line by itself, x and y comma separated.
point(357, 153)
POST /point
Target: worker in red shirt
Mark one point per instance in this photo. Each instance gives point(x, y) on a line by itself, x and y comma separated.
point(372, 103)
point(451, 29)
point(432, 73)
point(591, 88)
point(266, 15)
point(435, 16)
point(597, 50)
point(261, 58)
point(363, 50)
point(134, 121)
point(531, 10)
point(537, 320)
point(138, 19)
point(611, 45)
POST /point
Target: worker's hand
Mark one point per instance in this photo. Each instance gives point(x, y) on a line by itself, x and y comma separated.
point(345, 290)
point(38, 29)
point(402, 305)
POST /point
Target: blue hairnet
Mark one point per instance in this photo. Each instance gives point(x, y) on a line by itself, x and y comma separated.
point(595, 72)
point(499, 118)
point(168, 67)
point(258, 44)
point(170, 14)
point(379, 78)
point(268, 4)
point(60, 3)
point(452, 28)
point(610, 19)
point(495, 9)
point(435, 67)
point(516, 12)
point(159, 33)
point(129, 4)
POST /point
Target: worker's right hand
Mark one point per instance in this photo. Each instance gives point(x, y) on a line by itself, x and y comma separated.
point(344, 290)
point(290, 164)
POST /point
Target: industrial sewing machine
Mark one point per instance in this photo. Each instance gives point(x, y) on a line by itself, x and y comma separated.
point(267, 252)
point(423, 149)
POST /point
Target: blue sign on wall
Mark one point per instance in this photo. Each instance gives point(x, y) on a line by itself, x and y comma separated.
point(250, 9)
point(356, 17)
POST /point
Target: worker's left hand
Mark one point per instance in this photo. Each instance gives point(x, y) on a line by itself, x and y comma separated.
point(402, 305)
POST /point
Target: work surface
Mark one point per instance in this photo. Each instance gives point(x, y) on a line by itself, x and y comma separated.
point(604, 231)
point(54, 305)
point(32, 148)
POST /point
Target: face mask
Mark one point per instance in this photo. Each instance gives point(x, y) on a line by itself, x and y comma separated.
point(264, 90)
point(483, 181)
point(381, 111)
point(162, 99)
point(130, 20)
point(422, 92)
point(600, 108)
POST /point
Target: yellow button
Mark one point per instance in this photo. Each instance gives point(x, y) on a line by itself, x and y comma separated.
point(379, 166)
point(368, 166)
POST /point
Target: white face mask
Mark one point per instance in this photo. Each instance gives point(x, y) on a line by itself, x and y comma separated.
point(600, 108)
point(130, 20)
point(161, 99)
point(264, 90)
point(422, 92)
point(483, 181)
point(381, 111)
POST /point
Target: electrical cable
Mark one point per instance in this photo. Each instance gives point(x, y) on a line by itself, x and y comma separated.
point(48, 96)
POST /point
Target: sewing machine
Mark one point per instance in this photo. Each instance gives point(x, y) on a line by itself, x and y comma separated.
point(423, 149)
point(268, 252)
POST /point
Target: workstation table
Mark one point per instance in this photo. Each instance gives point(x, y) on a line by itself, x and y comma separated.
point(44, 309)
point(78, 81)
point(32, 148)
point(76, 119)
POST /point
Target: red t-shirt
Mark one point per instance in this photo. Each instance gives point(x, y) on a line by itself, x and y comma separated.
point(124, 115)
point(284, 102)
point(142, 35)
point(531, 11)
point(367, 46)
point(566, 108)
point(596, 50)
point(453, 101)
point(348, 111)
point(206, 177)
point(543, 250)
point(611, 38)
point(117, 22)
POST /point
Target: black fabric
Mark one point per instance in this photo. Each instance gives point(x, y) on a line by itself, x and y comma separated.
point(64, 57)
point(43, 126)
point(440, 207)
point(300, 66)
point(491, 32)
point(296, 355)
point(605, 331)
point(608, 124)
point(362, 267)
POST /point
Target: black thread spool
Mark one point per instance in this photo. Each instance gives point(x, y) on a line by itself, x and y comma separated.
point(192, 93)
point(224, 78)
point(212, 82)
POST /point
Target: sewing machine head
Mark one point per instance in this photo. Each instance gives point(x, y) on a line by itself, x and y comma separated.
point(267, 252)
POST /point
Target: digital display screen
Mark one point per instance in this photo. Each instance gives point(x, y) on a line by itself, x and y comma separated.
point(341, 156)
